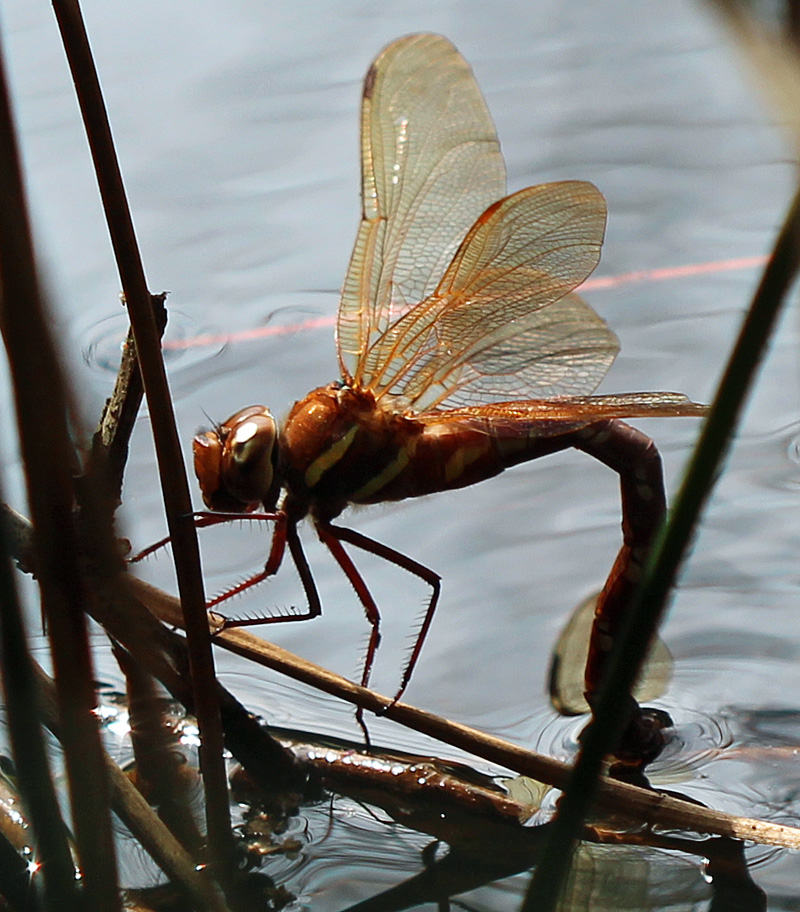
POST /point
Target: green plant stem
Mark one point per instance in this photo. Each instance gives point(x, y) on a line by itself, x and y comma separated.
point(670, 548)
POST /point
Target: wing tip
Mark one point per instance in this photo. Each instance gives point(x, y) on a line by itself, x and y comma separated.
point(369, 82)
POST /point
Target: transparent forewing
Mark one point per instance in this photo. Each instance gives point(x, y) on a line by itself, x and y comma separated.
point(550, 417)
point(568, 664)
point(566, 352)
point(503, 320)
point(431, 164)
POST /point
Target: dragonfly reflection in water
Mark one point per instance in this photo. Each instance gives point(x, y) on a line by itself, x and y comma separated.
point(462, 347)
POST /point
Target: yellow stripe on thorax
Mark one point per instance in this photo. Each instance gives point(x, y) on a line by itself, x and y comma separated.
point(392, 470)
point(329, 458)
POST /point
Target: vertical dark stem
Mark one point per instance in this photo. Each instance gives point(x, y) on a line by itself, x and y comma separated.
point(793, 22)
point(33, 770)
point(175, 487)
point(669, 550)
point(49, 460)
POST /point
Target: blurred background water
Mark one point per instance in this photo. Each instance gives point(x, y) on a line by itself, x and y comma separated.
point(236, 124)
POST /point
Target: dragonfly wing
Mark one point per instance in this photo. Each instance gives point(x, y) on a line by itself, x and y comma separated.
point(560, 415)
point(431, 164)
point(565, 350)
point(568, 662)
point(503, 320)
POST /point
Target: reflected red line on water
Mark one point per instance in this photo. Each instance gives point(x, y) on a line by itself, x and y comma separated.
point(596, 284)
point(673, 272)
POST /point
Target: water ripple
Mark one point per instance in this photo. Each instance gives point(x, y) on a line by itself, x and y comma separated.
point(103, 341)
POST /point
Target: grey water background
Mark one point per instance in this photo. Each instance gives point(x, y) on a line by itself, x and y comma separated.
point(237, 130)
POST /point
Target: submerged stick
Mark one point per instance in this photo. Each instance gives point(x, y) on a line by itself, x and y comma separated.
point(132, 808)
point(621, 798)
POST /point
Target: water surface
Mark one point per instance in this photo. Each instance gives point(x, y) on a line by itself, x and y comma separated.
point(236, 125)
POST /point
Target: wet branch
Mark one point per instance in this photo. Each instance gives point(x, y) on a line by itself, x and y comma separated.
point(634, 803)
point(139, 624)
point(109, 454)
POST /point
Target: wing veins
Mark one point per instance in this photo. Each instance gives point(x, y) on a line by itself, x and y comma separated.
point(484, 277)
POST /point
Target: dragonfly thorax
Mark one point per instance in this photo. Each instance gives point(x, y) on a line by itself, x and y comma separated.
point(334, 442)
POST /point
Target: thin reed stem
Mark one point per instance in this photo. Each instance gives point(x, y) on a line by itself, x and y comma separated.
point(49, 458)
point(174, 483)
point(671, 546)
point(23, 712)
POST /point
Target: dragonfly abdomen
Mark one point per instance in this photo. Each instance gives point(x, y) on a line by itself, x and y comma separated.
point(447, 456)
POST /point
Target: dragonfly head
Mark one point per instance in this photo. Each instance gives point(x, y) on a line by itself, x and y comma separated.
point(235, 463)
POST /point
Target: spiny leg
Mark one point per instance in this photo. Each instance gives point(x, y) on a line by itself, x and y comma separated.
point(409, 565)
point(285, 533)
point(329, 538)
point(304, 572)
point(636, 460)
point(202, 518)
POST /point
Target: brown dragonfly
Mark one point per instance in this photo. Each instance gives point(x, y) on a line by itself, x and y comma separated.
point(462, 346)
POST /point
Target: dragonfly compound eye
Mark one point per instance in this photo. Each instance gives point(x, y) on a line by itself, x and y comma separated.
point(248, 456)
point(207, 449)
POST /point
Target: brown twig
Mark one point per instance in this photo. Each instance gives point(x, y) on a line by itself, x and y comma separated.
point(482, 822)
point(109, 453)
point(174, 484)
point(637, 803)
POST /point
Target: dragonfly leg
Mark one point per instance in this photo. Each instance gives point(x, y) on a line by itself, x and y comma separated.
point(202, 519)
point(284, 534)
point(411, 566)
point(330, 536)
point(636, 460)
